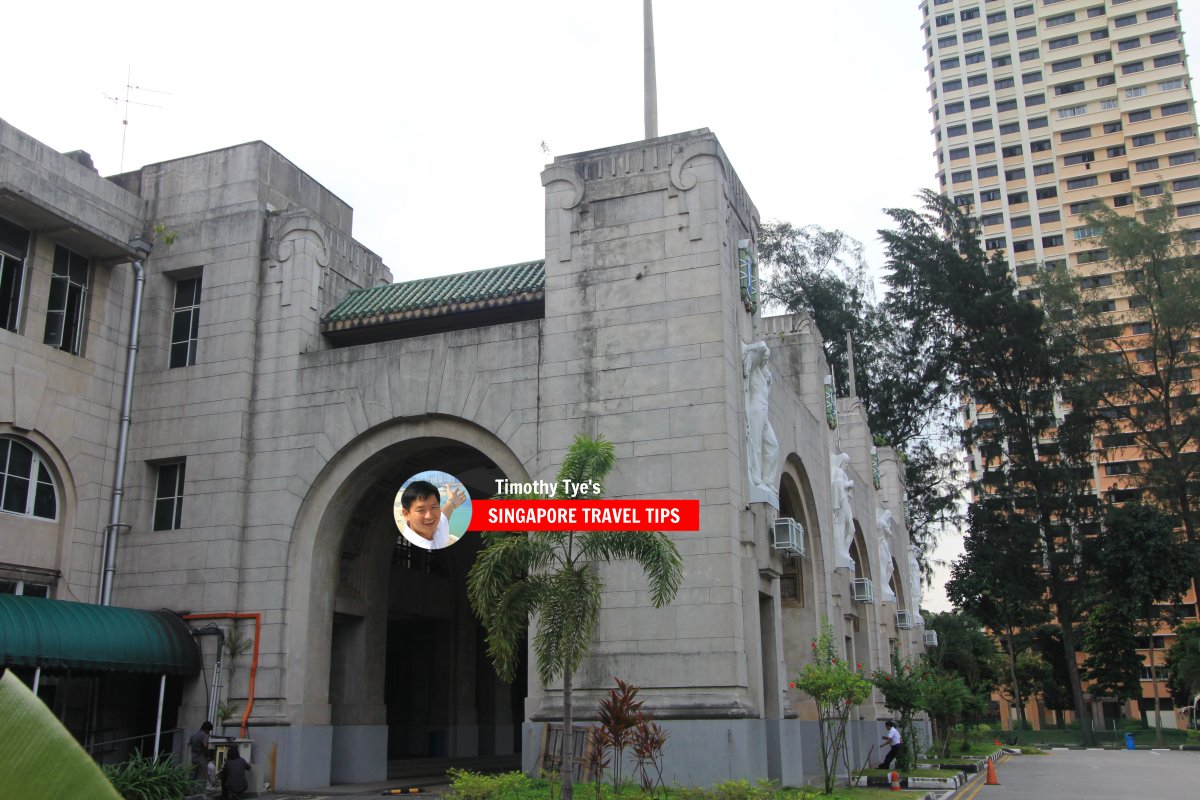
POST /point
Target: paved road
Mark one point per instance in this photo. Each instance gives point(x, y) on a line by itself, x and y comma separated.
point(1093, 775)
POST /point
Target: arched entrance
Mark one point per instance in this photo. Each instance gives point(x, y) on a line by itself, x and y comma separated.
point(384, 651)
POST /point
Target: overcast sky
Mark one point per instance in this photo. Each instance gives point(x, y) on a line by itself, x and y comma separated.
point(429, 117)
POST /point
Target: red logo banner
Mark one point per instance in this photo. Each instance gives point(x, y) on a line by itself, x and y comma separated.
point(585, 515)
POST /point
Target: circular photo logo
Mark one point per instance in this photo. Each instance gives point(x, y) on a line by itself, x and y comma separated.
point(432, 509)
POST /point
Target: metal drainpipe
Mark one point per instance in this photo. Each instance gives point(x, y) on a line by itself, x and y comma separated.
point(108, 568)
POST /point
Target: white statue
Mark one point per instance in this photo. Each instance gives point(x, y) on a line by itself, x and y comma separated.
point(883, 527)
point(762, 448)
point(843, 514)
point(915, 584)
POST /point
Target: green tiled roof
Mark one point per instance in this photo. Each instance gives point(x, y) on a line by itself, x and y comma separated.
point(425, 297)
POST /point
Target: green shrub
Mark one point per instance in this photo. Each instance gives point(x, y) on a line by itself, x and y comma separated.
point(467, 785)
point(142, 778)
point(742, 790)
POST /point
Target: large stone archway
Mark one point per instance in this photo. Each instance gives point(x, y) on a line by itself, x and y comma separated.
point(340, 597)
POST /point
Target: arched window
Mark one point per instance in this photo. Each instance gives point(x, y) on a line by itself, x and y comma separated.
point(26, 487)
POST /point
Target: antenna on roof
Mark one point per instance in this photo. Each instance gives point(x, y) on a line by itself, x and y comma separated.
point(129, 89)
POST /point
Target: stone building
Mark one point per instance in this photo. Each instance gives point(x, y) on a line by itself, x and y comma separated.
point(285, 388)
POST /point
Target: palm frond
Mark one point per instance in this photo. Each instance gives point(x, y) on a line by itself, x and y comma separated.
point(567, 621)
point(588, 460)
point(654, 551)
point(507, 618)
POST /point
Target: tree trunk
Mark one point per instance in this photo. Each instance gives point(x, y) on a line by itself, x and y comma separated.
point(1012, 669)
point(1066, 620)
point(568, 754)
point(1158, 734)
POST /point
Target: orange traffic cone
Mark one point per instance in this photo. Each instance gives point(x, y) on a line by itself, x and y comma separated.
point(894, 777)
point(992, 780)
point(996, 742)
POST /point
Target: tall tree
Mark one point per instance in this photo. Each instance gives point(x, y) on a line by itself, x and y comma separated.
point(965, 652)
point(1005, 357)
point(998, 580)
point(1142, 568)
point(1145, 379)
point(1183, 665)
point(552, 577)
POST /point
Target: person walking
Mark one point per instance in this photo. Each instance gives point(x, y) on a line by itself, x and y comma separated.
point(198, 747)
point(892, 737)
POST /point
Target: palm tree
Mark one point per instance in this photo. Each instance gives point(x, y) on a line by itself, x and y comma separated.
point(553, 576)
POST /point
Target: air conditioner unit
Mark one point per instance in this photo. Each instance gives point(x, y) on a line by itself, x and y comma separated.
point(931, 639)
point(787, 535)
point(904, 620)
point(864, 592)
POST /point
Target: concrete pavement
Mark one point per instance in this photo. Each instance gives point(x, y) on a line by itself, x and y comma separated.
point(1092, 775)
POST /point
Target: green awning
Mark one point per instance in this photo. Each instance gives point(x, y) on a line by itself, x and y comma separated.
point(57, 635)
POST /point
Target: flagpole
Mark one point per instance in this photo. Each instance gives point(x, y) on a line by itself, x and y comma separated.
point(651, 87)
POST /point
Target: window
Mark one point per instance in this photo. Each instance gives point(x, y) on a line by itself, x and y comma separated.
point(1164, 36)
point(1034, 99)
point(1121, 22)
point(1100, 34)
point(1037, 122)
point(1174, 108)
point(14, 243)
point(969, 14)
point(1102, 58)
point(1146, 164)
point(955, 108)
point(960, 177)
point(1010, 127)
point(1091, 256)
point(1047, 192)
point(1096, 281)
point(977, 80)
point(1118, 175)
point(1023, 11)
point(1061, 19)
point(1072, 111)
point(959, 152)
point(1001, 61)
point(985, 149)
point(989, 195)
point(1085, 206)
point(1143, 139)
point(1167, 61)
point(1129, 69)
point(1117, 151)
point(1065, 41)
point(20, 586)
point(1023, 246)
point(1105, 80)
point(1122, 200)
point(1141, 328)
point(1040, 146)
point(964, 200)
point(1128, 44)
point(952, 86)
point(1174, 83)
point(1112, 127)
point(1043, 169)
point(67, 307)
point(1086, 157)
point(1095, 11)
point(26, 487)
point(998, 39)
point(1049, 216)
point(1032, 77)
point(1160, 13)
point(981, 125)
point(956, 130)
point(999, 16)
point(1134, 91)
point(1052, 241)
point(1005, 83)
point(1030, 55)
point(1189, 210)
point(974, 58)
point(981, 102)
point(1012, 150)
point(988, 220)
point(1017, 174)
point(1026, 33)
point(1075, 135)
point(1108, 104)
point(1017, 198)
point(950, 63)
point(1139, 116)
point(1063, 66)
point(987, 172)
point(168, 496)
point(1082, 183)
point(1068, 88)
point(943, 19)
point(1150, 189)
point(998, 243)
point(1179, 159)
point(1183, 184)
point(1023, 221)
point(947, 41)
point(185, 323)
point(1006, 105)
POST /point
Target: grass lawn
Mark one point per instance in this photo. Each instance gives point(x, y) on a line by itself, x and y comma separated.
point(541, 790)
point(1032, 751)
point(977, 749)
